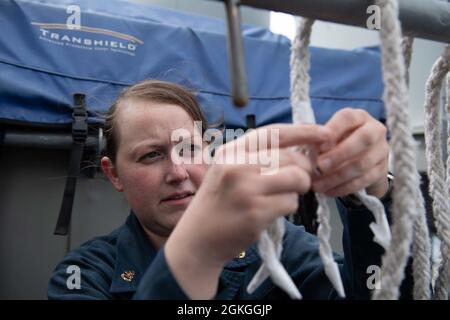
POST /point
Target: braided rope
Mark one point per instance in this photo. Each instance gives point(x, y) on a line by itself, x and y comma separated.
point(403, 222)
point(302, 112)
point(270, 247)
point(380, 228)
point(404, 211)
point(436, 169)
point(421, 251)
point(407, 46)
point(448, 136)
point(421, 247)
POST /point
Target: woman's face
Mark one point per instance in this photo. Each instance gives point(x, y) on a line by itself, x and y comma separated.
point(156, 187)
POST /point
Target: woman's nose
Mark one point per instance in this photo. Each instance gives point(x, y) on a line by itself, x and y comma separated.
point(177, 173)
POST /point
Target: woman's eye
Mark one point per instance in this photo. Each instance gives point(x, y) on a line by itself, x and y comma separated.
point(151, 155)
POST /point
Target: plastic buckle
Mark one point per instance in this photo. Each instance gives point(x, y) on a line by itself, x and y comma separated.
point(79, 115)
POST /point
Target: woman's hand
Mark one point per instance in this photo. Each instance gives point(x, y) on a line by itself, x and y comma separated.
point(355, 158)
point(236, 202)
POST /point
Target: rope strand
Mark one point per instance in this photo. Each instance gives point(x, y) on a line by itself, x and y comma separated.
point(448, 137)
point(421, 247)
point(270, 247)
point(436, 168)
point(302, 112)
point(403, 210)
point(407, 48)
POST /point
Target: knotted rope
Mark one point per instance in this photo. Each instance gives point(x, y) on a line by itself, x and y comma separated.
point(270, 247)
point(421, 247)
point(404, 211)
point(303, 113)
point(448, 135)
point(436, 169)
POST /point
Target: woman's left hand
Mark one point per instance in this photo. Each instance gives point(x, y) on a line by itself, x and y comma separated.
point(355, 158)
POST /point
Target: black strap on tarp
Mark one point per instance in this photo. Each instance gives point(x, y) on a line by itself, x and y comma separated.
point(251, 121)
point(79, 135)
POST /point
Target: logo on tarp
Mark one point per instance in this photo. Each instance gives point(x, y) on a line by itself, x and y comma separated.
point(73, 34)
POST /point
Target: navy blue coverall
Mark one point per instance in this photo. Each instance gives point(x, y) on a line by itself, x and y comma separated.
point(123, 265)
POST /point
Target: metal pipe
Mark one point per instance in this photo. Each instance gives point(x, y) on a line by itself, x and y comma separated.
point(236, 57)
point(426, 19)
point(45, 140)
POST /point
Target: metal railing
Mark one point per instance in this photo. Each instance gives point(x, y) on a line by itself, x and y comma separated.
point(426, 19)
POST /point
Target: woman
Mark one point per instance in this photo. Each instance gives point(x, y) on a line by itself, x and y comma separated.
point(193, 226)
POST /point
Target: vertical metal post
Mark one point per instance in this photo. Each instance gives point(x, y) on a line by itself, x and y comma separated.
point(236, 57)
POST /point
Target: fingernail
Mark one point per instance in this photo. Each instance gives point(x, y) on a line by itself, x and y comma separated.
point(316, 172)
point(325, 164)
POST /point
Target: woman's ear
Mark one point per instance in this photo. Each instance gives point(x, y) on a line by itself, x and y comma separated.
point(111, 172)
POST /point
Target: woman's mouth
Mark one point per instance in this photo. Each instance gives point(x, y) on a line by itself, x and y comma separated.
point(179, 198)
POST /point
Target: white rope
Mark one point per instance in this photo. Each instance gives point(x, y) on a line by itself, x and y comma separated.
point(405, 185)
point(380, 228)
point(436, 169)
point(407, 46)
point(448, 134)
point(404, 210)
point(448, 137)
point(421, 251)
point(270, 247)
point(421, 247)
point(302, 112)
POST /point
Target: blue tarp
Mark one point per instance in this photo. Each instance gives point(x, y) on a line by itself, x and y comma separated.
point(42, 63)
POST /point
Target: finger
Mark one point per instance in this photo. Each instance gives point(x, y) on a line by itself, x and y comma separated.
point(265, 160)
point(301, 134)
point(282, 136)
point(285, 179)
point(352, 169)
point(359, 141)
point(294, 157)
point(277, 158)
point(359, 183)
point(277, 205)
point(342, 123)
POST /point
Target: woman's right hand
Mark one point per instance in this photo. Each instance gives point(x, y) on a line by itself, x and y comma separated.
point(237, 199)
